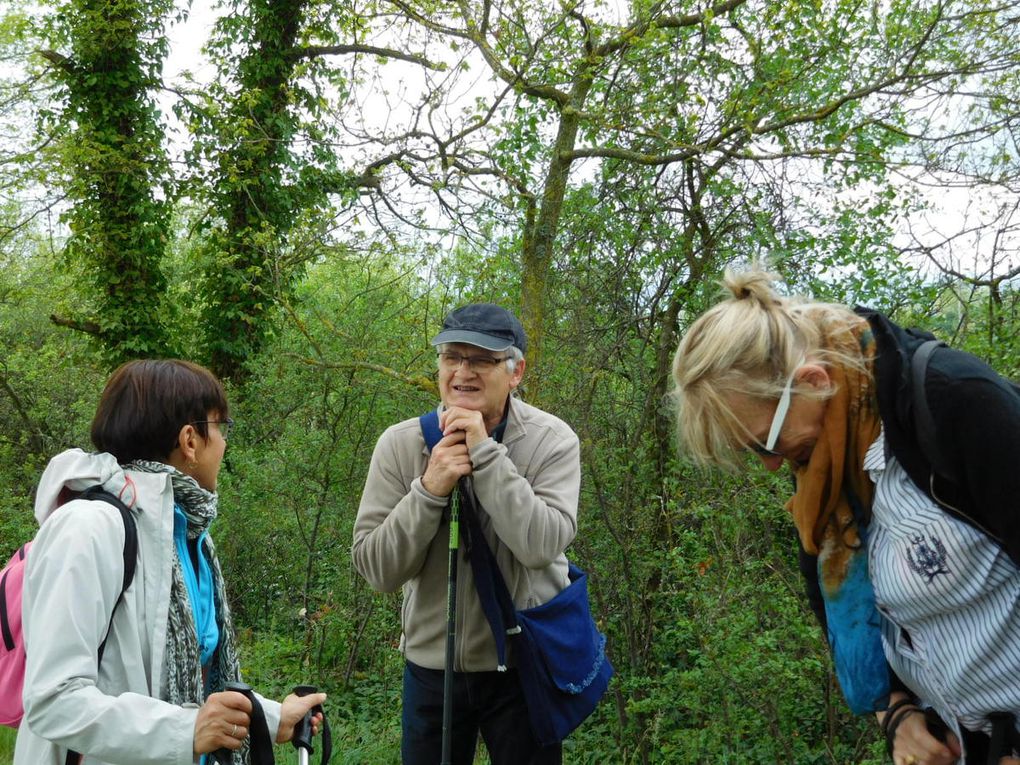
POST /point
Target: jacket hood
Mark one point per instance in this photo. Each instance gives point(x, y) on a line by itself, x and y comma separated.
point(74, 471)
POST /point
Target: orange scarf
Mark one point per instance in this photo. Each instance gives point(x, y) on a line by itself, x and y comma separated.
point(820, 508)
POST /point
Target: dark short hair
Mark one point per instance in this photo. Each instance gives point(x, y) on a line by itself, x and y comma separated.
point(147, 402)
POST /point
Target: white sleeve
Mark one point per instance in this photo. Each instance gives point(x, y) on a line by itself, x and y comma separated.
point(271, 709)
point(73, 578)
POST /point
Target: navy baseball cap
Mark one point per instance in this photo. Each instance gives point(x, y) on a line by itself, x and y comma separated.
point(486, 325)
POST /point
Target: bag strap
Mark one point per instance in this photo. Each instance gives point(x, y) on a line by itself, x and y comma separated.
point(130, 554)
point(497, 604)
point(429, 423)
point(5, 625)
point(924, 422)
point(492, 591)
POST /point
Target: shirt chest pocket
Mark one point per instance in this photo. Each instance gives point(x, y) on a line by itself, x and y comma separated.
point(933, 566)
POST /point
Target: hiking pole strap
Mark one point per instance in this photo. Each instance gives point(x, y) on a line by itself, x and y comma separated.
point(1003, 738)
point(260, 745)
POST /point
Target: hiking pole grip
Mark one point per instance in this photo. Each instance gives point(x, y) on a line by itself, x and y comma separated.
point(225, 756)
point(260, 745)
point(302, 738)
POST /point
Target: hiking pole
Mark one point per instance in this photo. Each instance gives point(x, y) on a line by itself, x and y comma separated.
point(303, 732)
point(260, 745)
point(451, 627)
point(302, 738)
point(1003, 735)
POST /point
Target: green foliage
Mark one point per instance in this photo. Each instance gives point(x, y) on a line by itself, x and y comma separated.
point(309, 422)
point(984, 321)
point(262, 183)
point(7, 737)
point(49, 385)
point(114, 169)
point(742, 656)
point(643, 152)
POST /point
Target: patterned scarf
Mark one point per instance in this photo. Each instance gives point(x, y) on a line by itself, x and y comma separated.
point(182, 665)
point(820, 507)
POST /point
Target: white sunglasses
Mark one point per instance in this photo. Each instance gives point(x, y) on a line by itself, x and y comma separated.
point(778, 419)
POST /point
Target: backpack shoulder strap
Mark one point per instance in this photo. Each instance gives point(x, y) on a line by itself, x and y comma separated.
point(924, 422)
point(130, 530)
point(497, 604)
point(496, 600)
point(130, 551)
point(429, 423)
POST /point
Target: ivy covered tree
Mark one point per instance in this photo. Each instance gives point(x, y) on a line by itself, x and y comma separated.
point(269, 162)
point(114, 170)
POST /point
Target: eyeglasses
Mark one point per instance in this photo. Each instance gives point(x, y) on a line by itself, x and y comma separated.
point(225, 426)
point(778, 419)
point(450, 361)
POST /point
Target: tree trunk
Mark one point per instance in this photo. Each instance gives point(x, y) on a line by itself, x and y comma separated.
point(540, 241)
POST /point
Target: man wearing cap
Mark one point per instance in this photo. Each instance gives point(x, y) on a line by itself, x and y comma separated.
point(524, 465)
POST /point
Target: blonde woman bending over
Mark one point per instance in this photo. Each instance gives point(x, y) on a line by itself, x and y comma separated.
point(827, 390)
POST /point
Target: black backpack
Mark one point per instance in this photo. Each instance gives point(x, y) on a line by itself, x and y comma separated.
point(924, 423)
point(1004, 738)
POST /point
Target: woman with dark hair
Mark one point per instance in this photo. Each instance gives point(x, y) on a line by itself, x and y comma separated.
point(156, 694)
point(829, 391)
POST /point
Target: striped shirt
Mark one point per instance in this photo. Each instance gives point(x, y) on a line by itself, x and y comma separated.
point(950, 598)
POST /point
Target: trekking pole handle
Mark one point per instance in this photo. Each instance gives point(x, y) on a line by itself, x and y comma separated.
point(302, 738)
point(303, 731)
point(224, 756)
point(1003, 734)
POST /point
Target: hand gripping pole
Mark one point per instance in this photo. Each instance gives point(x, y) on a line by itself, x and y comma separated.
point(260, 746)
point(302, 739)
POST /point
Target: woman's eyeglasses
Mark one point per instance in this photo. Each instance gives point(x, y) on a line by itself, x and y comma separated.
point(768, 449)
point(225, 425)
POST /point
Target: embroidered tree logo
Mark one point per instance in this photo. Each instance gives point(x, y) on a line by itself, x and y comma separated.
point(930, 560)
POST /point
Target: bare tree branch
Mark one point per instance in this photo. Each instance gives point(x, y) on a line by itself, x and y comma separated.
point(314, 51)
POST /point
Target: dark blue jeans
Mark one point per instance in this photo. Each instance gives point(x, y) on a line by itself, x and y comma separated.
point(490, 703)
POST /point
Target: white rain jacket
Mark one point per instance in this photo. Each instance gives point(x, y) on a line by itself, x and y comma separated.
point(73, 578)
